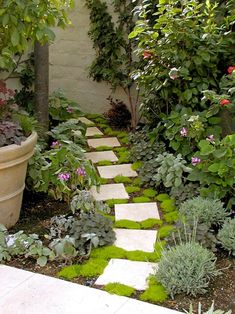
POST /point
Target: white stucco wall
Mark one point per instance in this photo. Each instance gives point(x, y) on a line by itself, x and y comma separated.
point(70, 57)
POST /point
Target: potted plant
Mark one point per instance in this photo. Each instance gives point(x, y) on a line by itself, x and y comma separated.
point(17, 142)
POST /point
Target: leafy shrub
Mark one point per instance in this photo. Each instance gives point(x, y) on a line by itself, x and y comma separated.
point(226, 236)
point(118, 116)
point(186, 268)
point(184, 192)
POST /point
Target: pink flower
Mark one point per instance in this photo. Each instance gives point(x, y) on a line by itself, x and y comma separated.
point(64, 176)
point(55, 144)
point(184, 132)
point(225, 102)
point(69, 109)
point(147, 54)
point(81, 172)
point(195, 161)
point(211, 138)
point(230, 70)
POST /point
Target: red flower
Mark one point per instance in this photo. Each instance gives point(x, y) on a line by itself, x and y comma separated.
point(2, 102)
point(225, 102)
point(147, 54)
point(230, 70)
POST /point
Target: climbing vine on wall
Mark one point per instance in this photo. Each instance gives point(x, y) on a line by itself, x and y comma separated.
point(114, 58)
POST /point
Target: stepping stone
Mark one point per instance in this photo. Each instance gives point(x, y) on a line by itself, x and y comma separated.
point(132, 240)
point(93, 131)
point(136, 211)
point(110, 191)
point(98, 156)
point(108, 141)
point(85, 120)
point(109, 172)
point(130, 273)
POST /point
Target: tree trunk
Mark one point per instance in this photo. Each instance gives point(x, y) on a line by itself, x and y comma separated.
point(41, 53)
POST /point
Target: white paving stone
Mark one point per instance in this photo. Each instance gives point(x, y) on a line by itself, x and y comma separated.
point(127, 272)
point(98, 156)
point(136, 211)
point(86, 121)
point(29, 293)
point(109, 191)
point(107, 141)
point(93, 131)
point(131, 240)
point(109, 172)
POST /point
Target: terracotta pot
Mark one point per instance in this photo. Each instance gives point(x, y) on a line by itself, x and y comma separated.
point(13, 167)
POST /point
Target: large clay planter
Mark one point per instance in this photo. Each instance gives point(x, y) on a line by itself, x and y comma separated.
point(13, 167)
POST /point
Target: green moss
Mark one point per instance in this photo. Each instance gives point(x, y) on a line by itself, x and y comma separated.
point(122, 179)
point(171, 217)
point(120, 149)
point(111, 132)
point(114, 201)
point(124, 157)
point(108, 252)
point(124, 140)
point(101, 120)
point(119, 289)
point(136, 165)
point(127, 224)
point(150, 223)
point(154, 293)
point(168, 205)
point(104, 163)
point(141, 256)
point(122, 134)
point(111, 217)
point(149, 192)
point(141, 199)
point(97, 136)
point(103, 148)
point(93, 268)
point(70, 272)
point(93, 115)
point(165, 231)
point(132, 189)
point(137, 182)
point(162, 197)
point(103, 180)
point(102, 125)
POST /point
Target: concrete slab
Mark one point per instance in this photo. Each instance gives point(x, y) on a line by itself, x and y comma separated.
point(110, 191)
point(93, 131)
point(86, 121)
point(107, 141)
point(131, 240)
point(127, 272)
point(136, 211)
point(112, 171)
point(98, 156)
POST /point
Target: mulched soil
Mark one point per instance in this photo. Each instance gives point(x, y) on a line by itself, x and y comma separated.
point(35, 216)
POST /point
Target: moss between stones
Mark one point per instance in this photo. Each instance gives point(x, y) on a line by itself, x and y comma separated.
point(171, 217)
point(141, 199)
point(96, 136)
point(124, 140)
point(101, 120)
point(103, 148)
point(150, 223)
point(145, 224)
point(122, 179)
point(136, 165)
point(162, 197)
point(154, 293)
point(124, 157)
point(132, 189)
point(108, 252)
point(103, 180)
point(114, 201)
point(104, 163)
point(168, 205)
point(137, 182)
point(122, 134)
point(165, 231)
point(119, 289)
point(120, 149)
point(111, 217)
point(102, 125)
point(149, 192)
point(93, 115)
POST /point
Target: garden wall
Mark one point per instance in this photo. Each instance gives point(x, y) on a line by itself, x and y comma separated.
point(70, 57)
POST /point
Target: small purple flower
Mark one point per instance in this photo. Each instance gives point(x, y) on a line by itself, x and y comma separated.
point(81, 172)
point(64, 176)
point(211, 138)
point(195, 161)
point(69, 109)
point(55, 144)
point(184, 132)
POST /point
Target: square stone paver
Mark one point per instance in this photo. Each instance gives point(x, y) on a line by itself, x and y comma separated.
point(85, 120)
point(98, 156)
point(93, 131)
point(131, 240)
point(127, 272)
point(136, 211)
point(109, 172)
point(110, 191)
point(107, 141)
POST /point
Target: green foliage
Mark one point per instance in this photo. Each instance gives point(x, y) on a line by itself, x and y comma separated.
point(119, 289)
point(186, 268)
point(168, 205)
point(136, 165)
point(124, 157)
point(210, 311)
point(171, 217)
point(127, 224)
point(108, 252)
point(149, 192)
point(124, 140)
point(154, 293)
point(162, 197)
point(165, 231)
point(114, 201)
point(120, 149)
point(103, 180)
point(216, 169)
point(132, 189)
point(203, 210)
point(226, 236)
point(184, 192)
point(118, 116)
point(137, 182)
point(141, 199)
point(150, 223)
point(94, 116)
point(61, 108)
point(103, 148)
point(69, 272)
point(122, 179)
point(170, 77)
point(104, 163)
